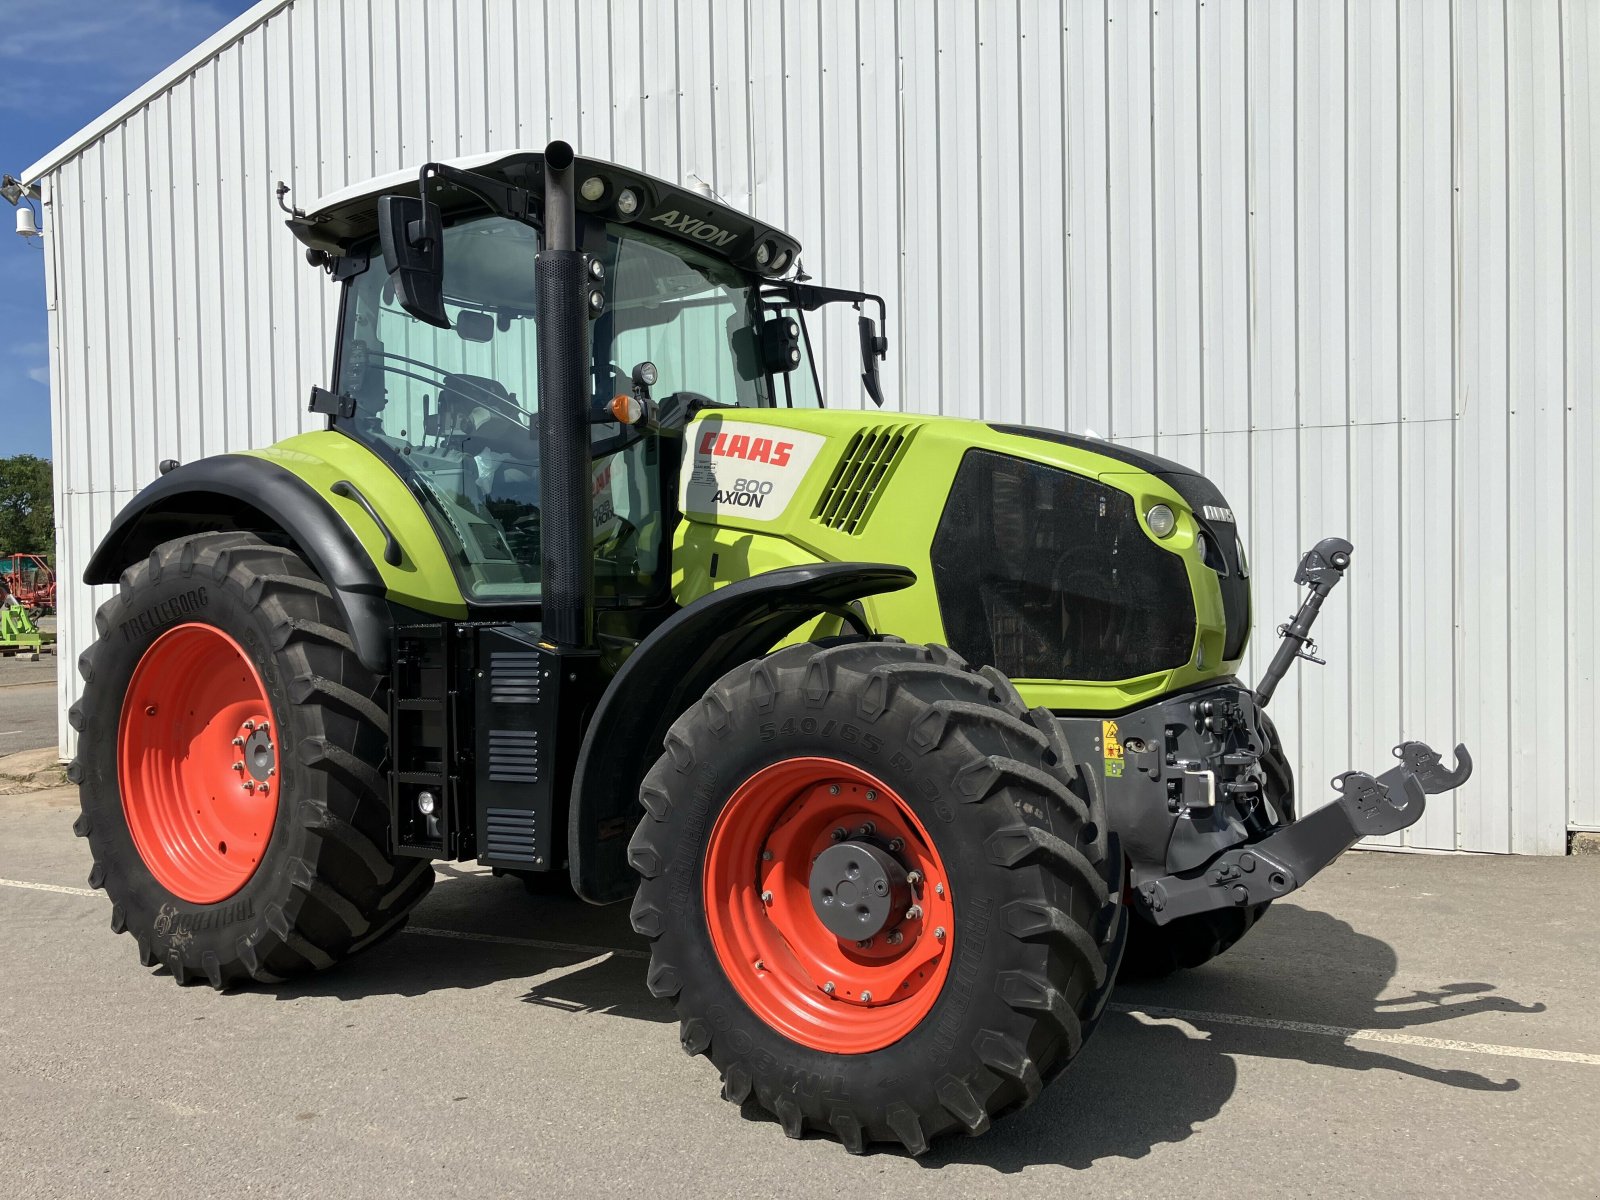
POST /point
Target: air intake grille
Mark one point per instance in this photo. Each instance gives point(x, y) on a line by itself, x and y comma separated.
point(513, 756)
point(852, 492)
point(513, 677)
point(513, 834)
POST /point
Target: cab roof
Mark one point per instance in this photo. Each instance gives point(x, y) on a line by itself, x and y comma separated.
point(341, 222)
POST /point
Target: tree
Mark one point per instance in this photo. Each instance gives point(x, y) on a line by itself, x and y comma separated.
point(27, 506)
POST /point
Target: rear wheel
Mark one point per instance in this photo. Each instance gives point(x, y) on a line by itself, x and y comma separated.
point(880, 895)
point(230, 768)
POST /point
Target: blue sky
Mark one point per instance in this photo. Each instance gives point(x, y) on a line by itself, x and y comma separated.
point(62, 64)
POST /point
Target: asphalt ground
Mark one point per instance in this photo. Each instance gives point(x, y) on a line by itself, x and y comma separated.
point(27, 703)
point(1406, 1026)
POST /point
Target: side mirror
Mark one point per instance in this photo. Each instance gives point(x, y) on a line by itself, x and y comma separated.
point(873, 348)
point(412, 235)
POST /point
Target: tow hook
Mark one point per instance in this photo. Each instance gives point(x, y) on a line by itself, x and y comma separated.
point(1366, 806)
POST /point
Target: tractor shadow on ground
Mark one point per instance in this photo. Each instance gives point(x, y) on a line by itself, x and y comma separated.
point(1140, 1084)
point(575, 973)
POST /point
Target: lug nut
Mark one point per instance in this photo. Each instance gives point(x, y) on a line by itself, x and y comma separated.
point(239, 767)
point(766, 897)
point(939, 933)
point(938, 889)
point(914, 913)
point(262, 727)
point(838, 835)
point(866, 997)
point(914, 878)
point(894, 937)
point(250, 725)
point(864, 944)
point(833, 789)
point(238, 741)
point(760, 966)
point(263, 789)
point(249, 785)
point(828, 987)
point(896, 845)
point(871, 795)
point(867, 829)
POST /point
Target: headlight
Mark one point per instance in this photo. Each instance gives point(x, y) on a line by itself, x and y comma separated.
point(1161, 520)
point(593, 188)
point(627, 202)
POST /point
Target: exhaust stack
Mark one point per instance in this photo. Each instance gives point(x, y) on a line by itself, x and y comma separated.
point(566, 519)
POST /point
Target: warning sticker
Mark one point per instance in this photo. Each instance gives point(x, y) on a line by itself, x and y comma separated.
point(1111, 748)
point(742, 469)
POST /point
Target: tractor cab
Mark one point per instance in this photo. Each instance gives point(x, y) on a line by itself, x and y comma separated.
point(437, 364)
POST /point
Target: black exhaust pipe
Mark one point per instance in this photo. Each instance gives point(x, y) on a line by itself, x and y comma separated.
point(565, 518)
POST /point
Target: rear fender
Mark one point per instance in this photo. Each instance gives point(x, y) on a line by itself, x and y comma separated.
point(672, 668)
point(233, 491)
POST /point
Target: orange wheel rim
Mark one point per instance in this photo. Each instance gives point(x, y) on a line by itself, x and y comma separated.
point(197, 763)
point(780, 885)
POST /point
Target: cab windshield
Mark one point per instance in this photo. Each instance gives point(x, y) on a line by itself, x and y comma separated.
point(456, 410)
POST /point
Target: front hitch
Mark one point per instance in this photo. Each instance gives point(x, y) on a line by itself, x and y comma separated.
point(1257, 872)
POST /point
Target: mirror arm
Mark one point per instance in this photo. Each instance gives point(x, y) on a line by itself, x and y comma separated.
point(503, 199)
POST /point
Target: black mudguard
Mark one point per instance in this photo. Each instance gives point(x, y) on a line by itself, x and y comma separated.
point(671, 668)
point(238, 491)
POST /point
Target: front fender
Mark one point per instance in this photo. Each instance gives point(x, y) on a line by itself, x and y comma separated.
point(685, 655)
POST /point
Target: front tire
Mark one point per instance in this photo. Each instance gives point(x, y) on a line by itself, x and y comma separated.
point(230, 768)
point(906, 756)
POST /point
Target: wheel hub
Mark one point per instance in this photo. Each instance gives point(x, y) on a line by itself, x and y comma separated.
point(260, 755)
point(858, 889)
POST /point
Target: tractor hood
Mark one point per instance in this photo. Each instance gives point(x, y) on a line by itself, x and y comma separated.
point(339, 223)
point(1224, 549)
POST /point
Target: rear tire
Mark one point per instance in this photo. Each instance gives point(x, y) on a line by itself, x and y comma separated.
point(944, 753)
point(323, 886)
point(1155, 951)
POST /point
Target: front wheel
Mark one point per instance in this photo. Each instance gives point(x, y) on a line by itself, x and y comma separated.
point(880, 895)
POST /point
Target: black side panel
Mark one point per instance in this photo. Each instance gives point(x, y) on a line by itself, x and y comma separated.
point(528, 707)
point(1044, 574)
point(237, 491)
point(672, 667)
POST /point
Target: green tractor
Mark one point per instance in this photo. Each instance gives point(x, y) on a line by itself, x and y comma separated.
point(902, 734)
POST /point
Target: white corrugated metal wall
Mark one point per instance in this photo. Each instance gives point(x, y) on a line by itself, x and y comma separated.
point(1341, 255)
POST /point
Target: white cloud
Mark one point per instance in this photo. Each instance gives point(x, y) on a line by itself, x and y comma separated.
point(40, 375)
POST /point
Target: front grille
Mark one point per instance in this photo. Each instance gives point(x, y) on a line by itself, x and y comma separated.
point(1203, 497)
point(1044, 574)
point(852, 490)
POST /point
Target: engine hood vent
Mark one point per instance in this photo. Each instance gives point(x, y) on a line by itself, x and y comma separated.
point(847, 502)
